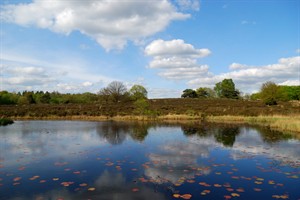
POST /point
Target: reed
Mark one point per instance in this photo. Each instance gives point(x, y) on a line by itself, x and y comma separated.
point(278, 122)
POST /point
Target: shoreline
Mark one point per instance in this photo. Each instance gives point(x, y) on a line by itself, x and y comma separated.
point(283, 123)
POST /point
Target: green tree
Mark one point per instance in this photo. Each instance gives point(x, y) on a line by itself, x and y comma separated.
point(141, 106)
point(189, 93)
point(204, 92)
point(138, 92)
point(269, 93)
point(226, 89)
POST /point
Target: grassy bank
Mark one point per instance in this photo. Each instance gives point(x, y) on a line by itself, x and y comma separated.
point(277, 122)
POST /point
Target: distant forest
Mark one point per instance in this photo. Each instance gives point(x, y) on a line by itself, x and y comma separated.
point(116, 91)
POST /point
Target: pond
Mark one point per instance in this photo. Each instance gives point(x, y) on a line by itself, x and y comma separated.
point(135, 160)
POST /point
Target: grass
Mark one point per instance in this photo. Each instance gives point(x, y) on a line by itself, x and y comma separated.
point(283, 123)
point(5, 121)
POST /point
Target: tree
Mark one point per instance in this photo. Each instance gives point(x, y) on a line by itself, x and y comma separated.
point(204, 92)
point(189, 93)
point(115, 90)
point(138, 92)
point(226, 89)
point(269, 93)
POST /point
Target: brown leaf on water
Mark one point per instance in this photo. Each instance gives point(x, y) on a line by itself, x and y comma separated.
point(55, 179)
point(227, 197)
point(21, 168)
point(257, 189)
point(190, 181)
point(34, 177)
point(176, 195)
point(17, 179)
point(91, 189)
point(240, 190)
point(235, 194)
point(83, 185)
point(186, 196)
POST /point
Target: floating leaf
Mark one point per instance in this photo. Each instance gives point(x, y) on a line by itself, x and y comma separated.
point(55, 179)
point(176, 195)
point(240, 190)
point(135, 189)
point(271, 182)
point(21, 168)
point(91, 189)
point(227, 197)
point(17, 179)
point(83, 184)
point(217, 185)
point(258, 182)
point(186, 196)
point(235, 194)
point(276, 196)
point(34, 177)
point(190, 181)
point(257, 189)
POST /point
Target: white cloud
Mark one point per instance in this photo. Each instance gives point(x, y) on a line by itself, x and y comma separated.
point(249, 78)
point(22, 72)
point(87, 84)
point(110, 23)
point(235, 66)
point(188, 4)
point(177, 59)
point(162, 48)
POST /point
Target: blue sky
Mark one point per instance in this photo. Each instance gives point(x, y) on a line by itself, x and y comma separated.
point(166, 46)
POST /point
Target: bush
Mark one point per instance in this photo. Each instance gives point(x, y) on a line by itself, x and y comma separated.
point(5, 121)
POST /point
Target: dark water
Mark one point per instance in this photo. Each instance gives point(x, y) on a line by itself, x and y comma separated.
point(109, 160)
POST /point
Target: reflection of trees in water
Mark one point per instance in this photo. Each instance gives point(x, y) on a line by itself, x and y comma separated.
point(224, 134)
point(227, 135)
point(272, 136)
point(116, 133)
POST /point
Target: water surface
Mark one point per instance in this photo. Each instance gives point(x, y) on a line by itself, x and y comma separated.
point(118, 160)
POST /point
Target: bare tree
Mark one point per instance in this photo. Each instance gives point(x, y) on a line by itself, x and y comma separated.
point(115, 90)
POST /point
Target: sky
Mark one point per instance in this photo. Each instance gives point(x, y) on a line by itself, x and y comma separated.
point(167, 46)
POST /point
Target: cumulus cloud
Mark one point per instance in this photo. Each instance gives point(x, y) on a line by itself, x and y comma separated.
point(110, 23)
point(188, 4)
point(22, 72)
point(249, 78)
point(177, 59)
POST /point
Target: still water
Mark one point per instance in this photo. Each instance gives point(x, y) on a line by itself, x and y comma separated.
point(127, 161)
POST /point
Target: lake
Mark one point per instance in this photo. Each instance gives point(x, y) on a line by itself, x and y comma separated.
point(135, 160)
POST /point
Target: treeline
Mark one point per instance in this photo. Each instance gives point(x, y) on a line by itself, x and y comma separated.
point(114, 92)
point(269, 93)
